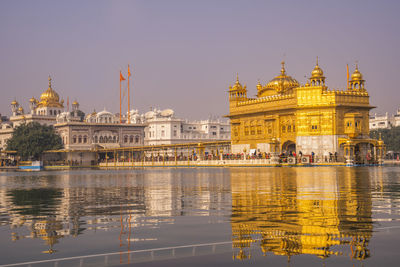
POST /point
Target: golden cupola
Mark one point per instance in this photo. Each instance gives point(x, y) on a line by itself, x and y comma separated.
point(317, 76)
point(357, 82)
point(356, 76)
point(237, 92)
point(281, 84)
point(50, 98)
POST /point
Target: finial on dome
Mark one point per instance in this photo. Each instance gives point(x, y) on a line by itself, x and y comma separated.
point(49, 81)
point(317, 60)
point(259, 86)
point(237, 76)
point(356, 64)
point(283, 68)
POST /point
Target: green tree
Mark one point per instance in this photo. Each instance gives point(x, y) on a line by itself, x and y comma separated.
point(30, 140)
point(391, 137)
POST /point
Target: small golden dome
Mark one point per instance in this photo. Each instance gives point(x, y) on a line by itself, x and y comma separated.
point(317, 71)
point(259, 86)
point(283, 82)
point(75, 103)
point(237, 85)
point(32, 100)
point(356, 76)
point(14, 102)
point(20, 109)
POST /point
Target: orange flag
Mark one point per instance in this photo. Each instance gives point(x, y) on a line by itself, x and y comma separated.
point(129, 71)
point(121, 78)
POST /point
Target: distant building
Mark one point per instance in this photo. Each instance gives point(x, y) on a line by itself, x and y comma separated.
point(385, 121)
point(379, 122)
point(162, 127)
point(103, 129)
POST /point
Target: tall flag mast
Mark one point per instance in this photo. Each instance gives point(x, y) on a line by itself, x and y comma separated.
point(129, 97)
point(121, 78)
point(347, 65)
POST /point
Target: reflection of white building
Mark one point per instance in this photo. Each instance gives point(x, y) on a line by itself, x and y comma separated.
point(162, 127)
point(384, 121)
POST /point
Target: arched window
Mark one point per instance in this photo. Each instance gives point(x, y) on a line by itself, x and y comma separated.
point(95, 139)
point(125, 139)
point(101, 139)
point(85, 139)
point(136, 139)
point(114, 139)
point(80, 139)
point(131, 139)
point(74, 139)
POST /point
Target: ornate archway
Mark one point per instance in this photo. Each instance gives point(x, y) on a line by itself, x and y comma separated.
point(289, 146)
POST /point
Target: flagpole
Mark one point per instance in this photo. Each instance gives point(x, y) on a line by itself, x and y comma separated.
point(120, 99)
point(129, 98)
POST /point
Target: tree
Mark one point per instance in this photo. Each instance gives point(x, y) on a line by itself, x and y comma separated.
point(30, 140)
point(391, 137)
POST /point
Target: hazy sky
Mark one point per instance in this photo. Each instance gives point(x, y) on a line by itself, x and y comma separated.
point(185, 54)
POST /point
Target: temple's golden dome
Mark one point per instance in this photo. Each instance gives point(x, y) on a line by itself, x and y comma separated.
point(356, 76)
point(282, 82)
point(317, 71)
point(20, 109)
point(14, 102)
point(237, 85)
point(50, 98)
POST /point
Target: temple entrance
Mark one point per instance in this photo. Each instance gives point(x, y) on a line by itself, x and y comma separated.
point(289, 146)
point(363, 153)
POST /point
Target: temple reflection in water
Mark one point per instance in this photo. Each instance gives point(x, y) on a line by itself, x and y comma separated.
point(71, 204)
point(301, 212)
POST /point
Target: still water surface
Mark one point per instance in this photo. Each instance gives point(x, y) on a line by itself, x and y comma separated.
point(325, 216)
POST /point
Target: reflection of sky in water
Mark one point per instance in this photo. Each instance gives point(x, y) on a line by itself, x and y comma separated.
point(326, 212)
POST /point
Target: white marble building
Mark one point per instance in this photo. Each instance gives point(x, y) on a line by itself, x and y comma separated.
point(162, 127)
point(384, 121)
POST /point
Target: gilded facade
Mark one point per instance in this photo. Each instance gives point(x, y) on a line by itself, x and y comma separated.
point(287, 116)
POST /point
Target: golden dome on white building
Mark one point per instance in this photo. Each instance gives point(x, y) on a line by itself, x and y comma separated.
point(50, 98)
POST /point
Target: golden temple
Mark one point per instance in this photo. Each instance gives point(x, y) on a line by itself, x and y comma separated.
point(287, 117)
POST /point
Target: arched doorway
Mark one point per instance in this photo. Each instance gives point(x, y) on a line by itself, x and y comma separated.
point(289, 146)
